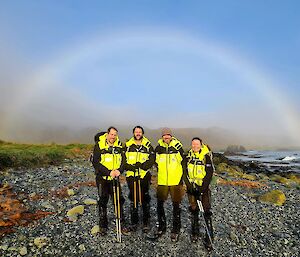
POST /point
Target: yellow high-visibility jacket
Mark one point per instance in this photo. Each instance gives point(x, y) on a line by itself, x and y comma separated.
point(107, 158)
point(143, 153)
point(196, 165)
point(169, 160)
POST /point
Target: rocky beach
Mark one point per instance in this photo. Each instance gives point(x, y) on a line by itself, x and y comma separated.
point(52, 211)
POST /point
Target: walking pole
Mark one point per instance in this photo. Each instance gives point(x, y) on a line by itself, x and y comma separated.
point(202, 214)
point(99, 196)
point(139, 178)
point(140, 189)
point(134, 192)
point(117, 208)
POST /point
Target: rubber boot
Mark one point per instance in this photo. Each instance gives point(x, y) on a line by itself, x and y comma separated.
point(134, 217)
point(208, 221)
point(194, 225)
point(176, 222)
point(161, 218)
point(146, 217)
point(103, 223)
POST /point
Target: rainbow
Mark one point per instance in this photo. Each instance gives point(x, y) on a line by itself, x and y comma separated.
point(100, 46)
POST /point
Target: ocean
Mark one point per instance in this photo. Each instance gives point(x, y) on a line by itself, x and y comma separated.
point(288, 161)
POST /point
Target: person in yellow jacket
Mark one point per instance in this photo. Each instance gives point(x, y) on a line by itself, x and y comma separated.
point(170, 162)
point(108, 162)
point(197, 177)
point(140, 158)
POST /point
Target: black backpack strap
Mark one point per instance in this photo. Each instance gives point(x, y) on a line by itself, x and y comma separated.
point(96, 137)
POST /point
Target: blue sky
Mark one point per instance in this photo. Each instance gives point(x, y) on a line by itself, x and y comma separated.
point(146, 77)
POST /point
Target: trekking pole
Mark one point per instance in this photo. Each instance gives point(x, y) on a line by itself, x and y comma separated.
point(139, 178)
point(202, 214)
point(117, 208)
point(99, 196)
point(140, 192)
point(134, 192)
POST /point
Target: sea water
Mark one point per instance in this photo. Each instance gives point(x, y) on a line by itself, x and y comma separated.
point(289, 160)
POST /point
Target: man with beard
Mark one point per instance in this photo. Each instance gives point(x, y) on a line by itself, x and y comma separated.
point(108, 161)
point(139, 159)
point(170, 162)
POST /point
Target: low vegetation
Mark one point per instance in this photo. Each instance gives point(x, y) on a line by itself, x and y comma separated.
point(31, 155)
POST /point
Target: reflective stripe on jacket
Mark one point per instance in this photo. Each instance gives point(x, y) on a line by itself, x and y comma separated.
point(196, 165)
point(137, 153)
point(111, 156)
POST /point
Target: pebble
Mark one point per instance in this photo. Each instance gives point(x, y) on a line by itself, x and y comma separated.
point(74, 202)
point(23, 251)
point(47, 205)
point(70, 192)
point(242, 226)
point(89, 201)
point(3, 247)
point(76, 210)
point(234, 237)
point(40, 241)
point(32, 194)
point(95, 230)
point(82, 247)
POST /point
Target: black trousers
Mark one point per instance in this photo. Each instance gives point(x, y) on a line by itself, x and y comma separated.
point(145, 185)
point(105, 190)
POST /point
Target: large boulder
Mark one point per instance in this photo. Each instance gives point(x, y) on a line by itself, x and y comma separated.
point(219, 158)
point(234, 149)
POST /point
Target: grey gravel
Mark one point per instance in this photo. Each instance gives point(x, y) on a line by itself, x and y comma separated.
point(242, 225)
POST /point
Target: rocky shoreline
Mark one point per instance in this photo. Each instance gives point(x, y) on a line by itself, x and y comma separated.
point(245, 223)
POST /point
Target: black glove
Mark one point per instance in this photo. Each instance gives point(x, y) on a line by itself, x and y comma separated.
point(197, 192)
point(189, 190)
